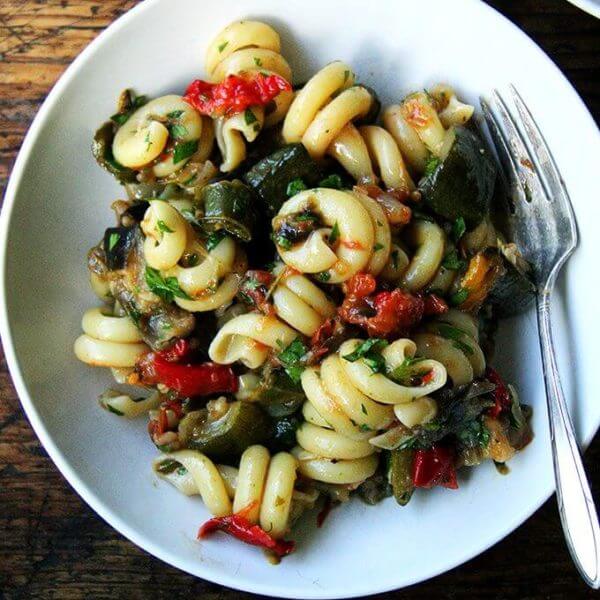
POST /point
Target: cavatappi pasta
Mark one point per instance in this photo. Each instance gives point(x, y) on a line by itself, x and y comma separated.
point(308, 304)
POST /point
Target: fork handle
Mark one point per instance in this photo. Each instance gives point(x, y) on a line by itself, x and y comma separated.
point(575, 504)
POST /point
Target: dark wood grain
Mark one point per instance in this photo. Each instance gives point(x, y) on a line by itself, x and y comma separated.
point(51, 544)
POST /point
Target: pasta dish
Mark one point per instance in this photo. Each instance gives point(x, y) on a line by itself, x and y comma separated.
point(303, 286)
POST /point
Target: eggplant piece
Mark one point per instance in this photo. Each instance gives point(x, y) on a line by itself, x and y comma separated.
point(224, 439)
point(102, 151)
point(229, 205)
point(374, 489)
point(513, 292)
point(118, 242)
point(462, 185)
point(270, 177)
point(400, 475)
point(283, 433)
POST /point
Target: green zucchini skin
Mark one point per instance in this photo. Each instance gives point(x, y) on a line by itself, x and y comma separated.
point(462, 185)
point(243, 425)
point(279, 396)
point(102, 152)
point(229, 205)
point(269, 177)
point(512, 293)
point(400, 475)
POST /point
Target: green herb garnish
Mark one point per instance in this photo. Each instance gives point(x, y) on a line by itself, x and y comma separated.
point(249, 117)
point(458, 229)
point(459, 297)
point(184, 150)
point(222, 46)
point(431, 165)
point(333, 181)
point(323, 276)
point(377, 247)
point(257, 61)
point(291, 359)
point(404, 372)
point(456, 335)
point(163, 227)
point(452, 261)
point(174, 114)
point(178, 132)
point(370, 352)
point(215, 238)
point(113, 239)
point(335, 234)
point(295, 186)
point(166, 288)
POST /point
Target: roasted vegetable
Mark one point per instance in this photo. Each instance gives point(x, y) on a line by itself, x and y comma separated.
point(400, 475)
point(483, 273)
point(283, 436)
point(374, 109)
point(243, 425)
point(513, 291)
point(278, 394)
point(229, 205)
point(102, 151)
point(270, 177)
point(118, 242)
point(461, 185)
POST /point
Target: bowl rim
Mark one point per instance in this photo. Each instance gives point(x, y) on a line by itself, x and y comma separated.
point(86, 492)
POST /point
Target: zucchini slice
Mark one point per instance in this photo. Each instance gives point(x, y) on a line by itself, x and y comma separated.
point(243, 425)
point(462, 185)
point(270, 177)
point(513, 292)
point(102, 151)
point(400, 475)
point(229, 205)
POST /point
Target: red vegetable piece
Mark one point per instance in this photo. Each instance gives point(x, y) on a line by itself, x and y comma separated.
point(501, 395)
point(234, 94)
point(434, 467)
point(188, 380)
point(434, 305)
point(240, 528)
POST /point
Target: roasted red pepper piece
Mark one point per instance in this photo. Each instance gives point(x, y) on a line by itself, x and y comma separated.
point(187, 380)
point(434, 467)
point(234, 94)
point(434, 305)
point(239, 527)
point(500, 395)
point(381, 314)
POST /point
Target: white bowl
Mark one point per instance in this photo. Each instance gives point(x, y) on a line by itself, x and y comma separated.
point(56, 207)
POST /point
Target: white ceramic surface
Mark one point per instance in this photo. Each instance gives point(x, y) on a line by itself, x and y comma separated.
point(590, 6)
point(56, 207)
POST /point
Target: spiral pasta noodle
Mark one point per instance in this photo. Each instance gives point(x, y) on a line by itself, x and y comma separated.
point(241, 48)
point(212, 280)
point(108, 340)
point(262, 490)
point(453, 340)
point(363, 241)
point(347, 403)
point(300, 307)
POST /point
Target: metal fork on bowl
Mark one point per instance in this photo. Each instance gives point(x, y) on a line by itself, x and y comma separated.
point(542, 224)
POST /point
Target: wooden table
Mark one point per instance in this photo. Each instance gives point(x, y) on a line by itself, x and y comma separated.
point(51, 544)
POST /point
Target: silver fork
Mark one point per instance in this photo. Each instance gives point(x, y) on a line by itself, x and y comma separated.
point(542, 224)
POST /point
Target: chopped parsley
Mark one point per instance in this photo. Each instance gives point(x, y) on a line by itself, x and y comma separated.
point(295, 186)
point(323, 276)
point(459, 297)
point(184, 150)
point(404, 372)
point(166, 288)
point(458, 229)
point(431, 165)
point(174, 114)
point(113, 240)
point(333, 181)
point(249, 117)
point(148, 141)
point(370, 352)
point(222, 46)
point(452, 261)
point(377, 247)
point(335, 234)
point(163, 227)
point(292, 359)
point(282, 241)
point(178, 132)
point(257, 61)
point(121, 118)
point(215, 238)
